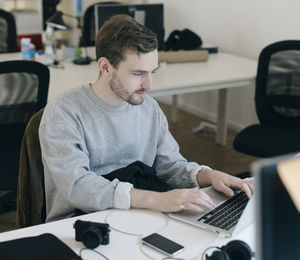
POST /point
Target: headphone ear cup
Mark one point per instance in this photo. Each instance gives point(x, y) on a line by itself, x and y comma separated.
point(238, 250)
point(218, 255)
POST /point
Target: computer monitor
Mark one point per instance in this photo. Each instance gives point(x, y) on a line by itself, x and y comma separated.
point(277, 219)
point(149, 15)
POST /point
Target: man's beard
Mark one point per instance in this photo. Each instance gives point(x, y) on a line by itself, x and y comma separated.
point(118, 88)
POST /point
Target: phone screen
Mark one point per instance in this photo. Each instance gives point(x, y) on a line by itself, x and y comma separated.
point(162, 244)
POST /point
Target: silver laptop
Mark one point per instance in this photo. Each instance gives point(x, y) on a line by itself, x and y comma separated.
point(238, 212)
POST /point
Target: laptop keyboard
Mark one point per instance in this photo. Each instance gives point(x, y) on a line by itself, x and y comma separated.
point(228, 213)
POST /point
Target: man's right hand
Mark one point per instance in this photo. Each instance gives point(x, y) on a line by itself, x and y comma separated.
point(172, 201)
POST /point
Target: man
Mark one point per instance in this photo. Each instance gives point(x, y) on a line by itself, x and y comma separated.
point(93, 130)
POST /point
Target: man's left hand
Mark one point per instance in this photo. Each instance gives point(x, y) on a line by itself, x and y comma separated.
point(224, 182)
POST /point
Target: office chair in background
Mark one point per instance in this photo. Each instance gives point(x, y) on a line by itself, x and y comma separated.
point(277, 100)
point(8, 32)
point(24, 90)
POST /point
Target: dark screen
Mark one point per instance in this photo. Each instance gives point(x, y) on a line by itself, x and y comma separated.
point(280, 226)
point(154, 17)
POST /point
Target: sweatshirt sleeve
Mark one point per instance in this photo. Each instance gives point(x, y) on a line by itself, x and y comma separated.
point(170, 165)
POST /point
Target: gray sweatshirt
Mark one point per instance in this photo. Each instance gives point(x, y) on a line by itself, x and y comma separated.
point(83, 138)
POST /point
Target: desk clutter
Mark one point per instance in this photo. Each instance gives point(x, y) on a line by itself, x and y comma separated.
point(183, 46)
point(48, 247)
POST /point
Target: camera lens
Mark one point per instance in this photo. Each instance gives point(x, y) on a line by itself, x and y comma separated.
point(91, 237)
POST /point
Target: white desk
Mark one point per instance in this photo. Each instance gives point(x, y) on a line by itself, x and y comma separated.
point(221, 72)
point(124, 246)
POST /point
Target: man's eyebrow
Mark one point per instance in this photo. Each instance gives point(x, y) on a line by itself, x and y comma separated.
point(139, 71)
point(145, 71)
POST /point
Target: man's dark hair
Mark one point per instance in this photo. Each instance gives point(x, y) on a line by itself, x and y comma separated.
point(120, 34)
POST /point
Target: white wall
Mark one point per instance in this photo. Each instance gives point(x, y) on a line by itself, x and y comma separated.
point(241, 27)
point(238, 27)
point(69, 7)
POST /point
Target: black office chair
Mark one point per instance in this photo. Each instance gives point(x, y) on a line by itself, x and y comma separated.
point(277, 99)
point(8, 32)
point(88, 37)
point(24, 90)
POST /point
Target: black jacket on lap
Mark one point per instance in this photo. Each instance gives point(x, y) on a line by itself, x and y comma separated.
point(140, 175)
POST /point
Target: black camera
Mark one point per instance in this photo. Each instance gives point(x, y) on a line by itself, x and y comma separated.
point(91, 234)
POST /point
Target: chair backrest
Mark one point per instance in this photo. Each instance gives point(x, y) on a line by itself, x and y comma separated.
point(8, 32)
point(31, 205)
point(277, 95)
point(89, 27)
point(23, 92)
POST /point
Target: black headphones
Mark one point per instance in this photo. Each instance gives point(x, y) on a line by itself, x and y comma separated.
point(234, 250)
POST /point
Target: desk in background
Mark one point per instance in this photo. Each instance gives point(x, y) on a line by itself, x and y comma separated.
point(125, 246)
point(221, 72)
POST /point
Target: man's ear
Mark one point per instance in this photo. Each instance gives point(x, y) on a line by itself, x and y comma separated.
point(104, 65)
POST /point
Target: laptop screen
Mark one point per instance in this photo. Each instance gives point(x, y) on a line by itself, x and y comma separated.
point(278, 221)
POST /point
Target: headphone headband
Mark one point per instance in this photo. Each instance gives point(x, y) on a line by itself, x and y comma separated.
point(233, 250)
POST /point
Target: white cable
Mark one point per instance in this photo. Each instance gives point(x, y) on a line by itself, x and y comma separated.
point(144, 253)
point(93, 250)
point(157, 231)
point(139, 235)
point(136, 234)
point(214, 242)
point(193, 258)
point(164, 258)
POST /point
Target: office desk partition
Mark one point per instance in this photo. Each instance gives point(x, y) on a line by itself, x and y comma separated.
point(221, 72)
point(128, 246)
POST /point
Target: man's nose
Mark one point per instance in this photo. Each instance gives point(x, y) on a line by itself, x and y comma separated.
point(147, 81)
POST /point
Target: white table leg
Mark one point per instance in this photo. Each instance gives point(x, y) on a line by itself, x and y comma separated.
point(174, 108)
point(222, 117)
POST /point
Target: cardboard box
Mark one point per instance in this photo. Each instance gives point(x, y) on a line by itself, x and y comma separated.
point(183, 56)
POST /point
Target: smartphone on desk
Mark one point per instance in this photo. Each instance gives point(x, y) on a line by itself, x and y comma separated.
point(162, 244)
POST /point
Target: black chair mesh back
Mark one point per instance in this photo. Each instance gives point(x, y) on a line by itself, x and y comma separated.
point(278, 84)
point(8, 33)
point(3, 35)
point(18, 106)
point(23, 92)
